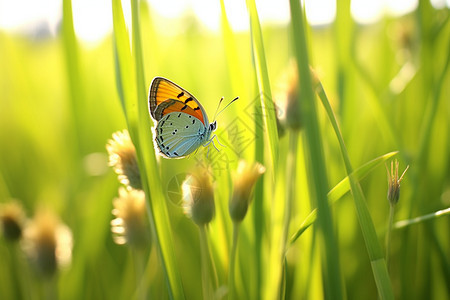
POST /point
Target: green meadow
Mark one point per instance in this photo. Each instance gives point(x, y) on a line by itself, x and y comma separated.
point(324, 111)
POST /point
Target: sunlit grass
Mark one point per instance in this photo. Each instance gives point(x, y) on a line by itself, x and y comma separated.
point(61, 102)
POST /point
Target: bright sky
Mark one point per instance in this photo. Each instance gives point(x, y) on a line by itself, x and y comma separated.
point(93, 18)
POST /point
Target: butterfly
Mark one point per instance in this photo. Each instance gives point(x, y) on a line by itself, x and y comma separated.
point(182, 123)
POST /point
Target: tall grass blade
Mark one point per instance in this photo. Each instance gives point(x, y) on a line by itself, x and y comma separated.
point(318, 176)
point(343, 25)
point(158, 208)
point(373, 246)
point(405, 223)
point(340, 190)
point(259, 218)
point(125, 75)
point(267, 105)
point(264, 114)
point(76, 88)
point(131, 64)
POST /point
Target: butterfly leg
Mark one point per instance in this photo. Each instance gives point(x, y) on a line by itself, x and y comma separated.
point(208, 144)
point(211, 140)
point(215, 146)
point(217, 139)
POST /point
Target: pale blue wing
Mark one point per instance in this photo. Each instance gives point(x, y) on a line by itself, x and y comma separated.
point(179, 134)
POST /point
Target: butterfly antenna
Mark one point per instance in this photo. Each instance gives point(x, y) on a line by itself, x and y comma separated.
point(218, 106)
point(218, 113)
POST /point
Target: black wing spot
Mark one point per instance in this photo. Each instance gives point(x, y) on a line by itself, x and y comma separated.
point(180, 95)
point(168, 116)
point(162, 122)
point(175, 153)
point(161, 138)
point(171, 124)
point(179, 114)
point(190, 116)
point(167, 148)
point(162, 146)
point(193, 121)
point(187, 126)
point(173, 133)
point(160, 130)
point(187, 100)
point(184, 107)
point(197, 108)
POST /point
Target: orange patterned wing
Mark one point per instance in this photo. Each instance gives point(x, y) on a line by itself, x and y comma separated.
point(166, 97)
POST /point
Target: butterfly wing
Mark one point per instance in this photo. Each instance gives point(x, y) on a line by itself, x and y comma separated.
point(166, 97)
point(178, 134)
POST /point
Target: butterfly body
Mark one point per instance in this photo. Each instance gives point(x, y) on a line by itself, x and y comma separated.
point(182, 124)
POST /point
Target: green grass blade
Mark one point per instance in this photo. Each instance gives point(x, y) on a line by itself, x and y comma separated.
point(417, 220)
point(133, 88)
point(342, 25)
point(72, 58)
point(268, 116)
point(152, 185)
point(125, 75)
point(343, 186)
point(262, 75)
point(341, 189)
point(373, 246)
point(318, 176)
point(259, 218)
point(237, 83)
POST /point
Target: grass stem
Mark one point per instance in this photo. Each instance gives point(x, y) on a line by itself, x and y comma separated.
point(389, 231)
point(291, 167)
point(139, 268)
point(231, 274)
point(209, 276)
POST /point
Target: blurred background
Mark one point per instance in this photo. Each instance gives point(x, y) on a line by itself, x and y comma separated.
point(384, 65)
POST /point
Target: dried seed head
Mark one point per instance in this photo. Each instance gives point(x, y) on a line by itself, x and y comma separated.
point(122, 157)
point(12, 220)
point(281, 128)
point(47, 243)
point(198, 197)
point(130, 226)
point(394, 183)
point(293, 115)
point(291, 96)
point(243, 181)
